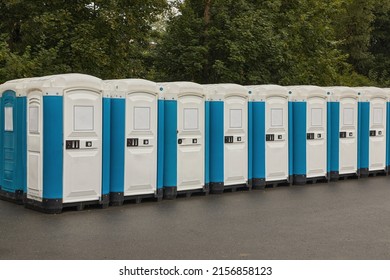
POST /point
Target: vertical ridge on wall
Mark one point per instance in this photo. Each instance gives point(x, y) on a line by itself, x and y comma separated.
point(291, 139)
point(21, 142)
point(250, 141)
point(387, 136)
point(329, 136)
point(364, 134)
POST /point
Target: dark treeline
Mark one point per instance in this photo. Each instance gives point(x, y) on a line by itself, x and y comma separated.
point(322, 42)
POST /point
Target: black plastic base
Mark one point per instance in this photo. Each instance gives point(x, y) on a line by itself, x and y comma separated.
point(363, 172)
point(49, 206)
point(55, 206)
point(188, 193)
point(216, 188)
point(272, 184)
point(258, 184)
point(170, 193)
point(388, 170)
point(118, 198)
point(15, 197)
point(334, 176)
point(299, 179)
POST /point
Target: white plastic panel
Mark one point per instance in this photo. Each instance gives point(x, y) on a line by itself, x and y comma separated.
point(83, 118)
point(141, 160)
point(235, 118)
point(377, 143)
point(191, 119)
point(316, 148)
point(349, 116)
point(276, 117)
point(83, 165)
point(33, 119)
point(141, 118)
point(276, 151)
point(190, 156)
point(34, 146)
point(8, 119)
point(236, 154)
point(348, 144)
point(316, 116)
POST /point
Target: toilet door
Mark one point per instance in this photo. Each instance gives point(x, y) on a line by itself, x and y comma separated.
point(34, 146)
point(9, 141)
point(276, 142)
point(141, 144)
point(316, 137)
point(236, 135)
point(377, 143)
point(348, 135)
point(191, 141)
point(82, 145)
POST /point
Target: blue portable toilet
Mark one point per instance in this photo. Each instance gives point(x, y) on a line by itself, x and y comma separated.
point(136, 142)
point(68, 151)
point(272, 140)
point(13, 140)
point(343, 132)
point(373, 132)
point(310, 124)
point(185, 168)
point(229, 137)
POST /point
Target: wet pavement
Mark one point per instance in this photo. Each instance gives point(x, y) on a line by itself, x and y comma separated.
point(343, 220)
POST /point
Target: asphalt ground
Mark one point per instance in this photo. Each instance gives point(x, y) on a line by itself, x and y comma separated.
point(342, 220)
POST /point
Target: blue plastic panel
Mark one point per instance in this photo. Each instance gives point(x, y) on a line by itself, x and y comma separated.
point(170, 143)
point(160, 144)
point(52, 147)
point(106, 146)
point(216, 142)
point(364, 134)
point(207, 142)
point(117, 153)
point(250, 140)
point(334, 136)
point(299, 138)
point(258, 140)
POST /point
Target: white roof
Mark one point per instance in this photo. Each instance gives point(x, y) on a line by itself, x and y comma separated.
point(18, 85)
point(338, 92)
point(57, 84)
point(121, 87)
point(307, 91)
point(371, 92)
point(261, 92)
point(173, 90)
point(221, 91)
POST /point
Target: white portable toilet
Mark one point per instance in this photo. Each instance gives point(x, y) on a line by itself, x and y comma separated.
point(343, 132)
point(228, 105)
point(67, 148)
point(134, 140)
point(272, 143)
point(310, 123)
point(184, 139)
point(373, 133)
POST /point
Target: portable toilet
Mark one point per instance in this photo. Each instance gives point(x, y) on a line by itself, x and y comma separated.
point(229, 164)
point(272, 141)
point(184, 139)
point(310, 123)
point(68, 151)
point(373, 130)
point(343, 132)
point(136, 113)
point(13, 140)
